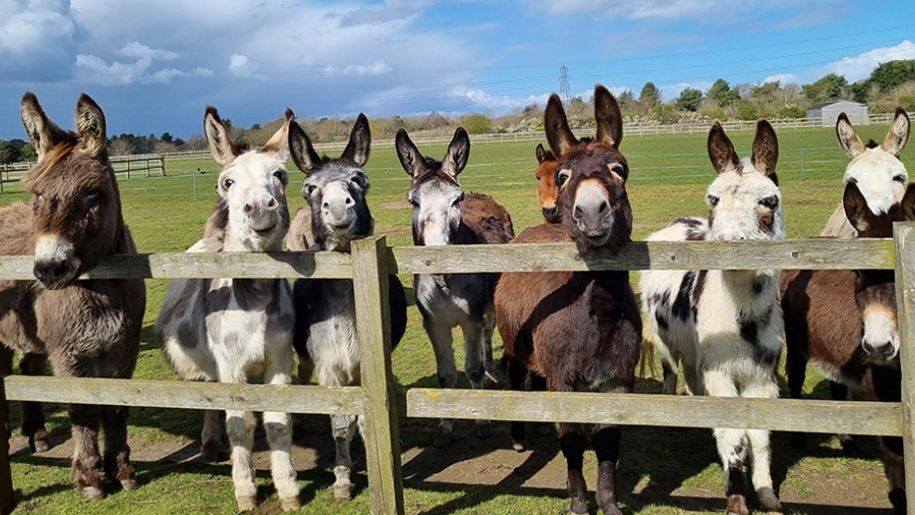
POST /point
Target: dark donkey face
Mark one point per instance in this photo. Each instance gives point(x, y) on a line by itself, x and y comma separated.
point(875, 290)
point(593, 203)
point(76, 205)
point(335, 188)
point(435, 193)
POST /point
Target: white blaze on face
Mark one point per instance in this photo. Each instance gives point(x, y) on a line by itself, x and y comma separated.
point(880, 176)
point(256, 197)
point(337, 205)
point(748, 206)
point(880, 330)
point(438, 213)
point(54, 248)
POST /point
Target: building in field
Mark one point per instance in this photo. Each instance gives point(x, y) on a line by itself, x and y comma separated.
point(828, 112)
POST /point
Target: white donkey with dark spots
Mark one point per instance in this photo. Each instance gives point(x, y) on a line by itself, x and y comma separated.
point(228, 329)
point(325, 329)
point(726, 325)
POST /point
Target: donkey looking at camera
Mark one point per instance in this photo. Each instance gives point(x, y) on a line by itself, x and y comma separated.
point(325, 329)
point(227, 329)
point(726, 325)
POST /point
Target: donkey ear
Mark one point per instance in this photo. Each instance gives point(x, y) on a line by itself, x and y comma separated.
point(410, 158)
point(898, 135)
point(458, 153)
point(721, 150)
point(279, 142)
point(219, 137)
point(848, 140)
point(856, 210)
point(608, 116)
point(303, 153)
point(90, 127)
point(907, 205)
point(360, 141)
point(765, 149)
point(540, 152)
point(556, 126)
point(43, 133)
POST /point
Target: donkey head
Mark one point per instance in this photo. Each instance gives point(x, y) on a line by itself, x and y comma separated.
point(251, 187)
point(592, 201)
point(435, 193)
point(335, 188)
point(76, 204)
point(875, 290)
point(880, 175)
point(744, 199)
point(548, 183)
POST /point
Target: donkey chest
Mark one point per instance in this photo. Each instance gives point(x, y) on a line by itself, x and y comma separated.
point(332, 328)
point(452, 298)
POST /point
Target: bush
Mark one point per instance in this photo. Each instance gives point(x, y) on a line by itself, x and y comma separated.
point(791, 111)
point(477, 124)
point(746, 110)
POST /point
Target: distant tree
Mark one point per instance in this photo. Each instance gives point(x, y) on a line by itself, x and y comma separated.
point(27, 152)
point(166, 138)
point(860, 91)
point(477, 123)
point(722, 93)
point(893, 73)
point(746, 110)
point(649, 96)
point(766, 93)
point(9, 153)
point(255, 127)
point(791, 111)
point(178, 142)
point(625, 98)
point(831, 86)
point(689, 99)
point(120, 147)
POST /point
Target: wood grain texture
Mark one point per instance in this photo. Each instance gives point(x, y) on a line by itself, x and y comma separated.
point(810, 416)
point(904, 237)
point(373, 328)
point(186, 395)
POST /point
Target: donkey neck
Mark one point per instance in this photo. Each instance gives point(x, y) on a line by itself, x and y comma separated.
point(742, 288)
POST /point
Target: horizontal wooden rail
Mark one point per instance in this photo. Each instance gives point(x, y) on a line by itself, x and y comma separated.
point(642, 255)
point(808, 416)
point(187, 394)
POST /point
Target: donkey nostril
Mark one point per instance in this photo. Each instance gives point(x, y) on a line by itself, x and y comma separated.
point(349, 201)
point(578, 213)
point(325, 205)
point(248, 207)
point(271, 203)
point(604, 207)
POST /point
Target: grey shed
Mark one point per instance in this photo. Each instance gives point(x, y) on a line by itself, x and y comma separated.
point(828, 112)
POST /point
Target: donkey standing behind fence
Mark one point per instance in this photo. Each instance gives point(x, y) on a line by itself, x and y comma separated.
point(581, 331)
point(225, 329)
point(325, 330)
point(726, 325)
point(444, 215)
point(88, 328)
point(548, 183)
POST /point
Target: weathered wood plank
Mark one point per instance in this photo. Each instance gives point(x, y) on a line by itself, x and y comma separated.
point(186, 394)
point(640, 255)
point(373, 328)
point(904, 237)
point(181, 265)
point(6, 475)
point(811, 416)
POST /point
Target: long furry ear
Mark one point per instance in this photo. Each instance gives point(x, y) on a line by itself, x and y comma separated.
point(556, 126)
point(898, 135)
point(360, 142)
point(458, 153)
point(410, 159)
point(848, 140)
point(721, 151)
point(303, 153)
point(857, 212)
point(765, 149)
point(43, 133)
point(279, 142)
point(90, 127)
point(219, 137)
point(608, 116)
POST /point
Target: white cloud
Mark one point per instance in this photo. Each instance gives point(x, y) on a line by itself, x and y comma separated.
point(860, 66)
point(782, 78)
point(672, 91)
point(137, 50)
point(92, 69)
point(357, 70)
point(37, 40)
point(674, 9)
point(480, 99)
point(242, 67)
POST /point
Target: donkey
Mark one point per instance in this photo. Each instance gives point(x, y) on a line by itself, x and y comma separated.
point(845, 321)
point(87, 328)
point(877, 169)
point(325, 329)
point(548, 183)
point(443, 215)
point(726, 325)
point(580, 331)
point(225, 329)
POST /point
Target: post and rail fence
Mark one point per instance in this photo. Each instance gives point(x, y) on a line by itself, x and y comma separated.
point(377, 399)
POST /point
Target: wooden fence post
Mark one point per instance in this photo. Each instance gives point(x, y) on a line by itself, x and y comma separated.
point(6, 475)
point(904, 236)
point(373, 326)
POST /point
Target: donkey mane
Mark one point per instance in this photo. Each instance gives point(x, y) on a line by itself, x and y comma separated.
point(60, 151)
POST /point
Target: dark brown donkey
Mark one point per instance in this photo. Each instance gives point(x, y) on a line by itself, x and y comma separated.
point(581, 331)
point(88, 328)
point(845, 321)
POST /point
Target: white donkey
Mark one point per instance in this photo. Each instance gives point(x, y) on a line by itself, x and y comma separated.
point(726, 325)
point(876, 169)
point(227, 329)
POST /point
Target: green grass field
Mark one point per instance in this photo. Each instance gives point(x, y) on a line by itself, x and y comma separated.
point(669, 470)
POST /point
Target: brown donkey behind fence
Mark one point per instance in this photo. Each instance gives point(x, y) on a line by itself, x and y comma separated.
point(88, 328)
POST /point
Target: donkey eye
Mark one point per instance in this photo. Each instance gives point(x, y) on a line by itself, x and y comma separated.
point(281, 175)
point(93, 196)
point(769, 202)
point(899, 178)
point(227, 183)
point(537, 177)
point(712, 200)
point(562, 177)
point(310, 189)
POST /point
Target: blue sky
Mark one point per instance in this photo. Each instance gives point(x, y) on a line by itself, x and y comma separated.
point(154, 65)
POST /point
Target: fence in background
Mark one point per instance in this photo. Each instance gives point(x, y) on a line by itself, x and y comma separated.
point(146, 165)
point(369, 265)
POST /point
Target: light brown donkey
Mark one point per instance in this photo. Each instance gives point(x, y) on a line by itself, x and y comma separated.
point(88, 328)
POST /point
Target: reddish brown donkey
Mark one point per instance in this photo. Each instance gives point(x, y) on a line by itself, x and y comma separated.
point(580, 331)
point(548, 183)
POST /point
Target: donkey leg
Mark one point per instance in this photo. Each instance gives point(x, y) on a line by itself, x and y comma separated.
point(489, 327)
point(240, 428)
point(760, 447)
point(669, 365)
point(475, 366)
point(572, 441)
point(212, 436)
point(6, 368)
point(32, 415)
point(796, 370)
point(278, 426)
point(607, 449)
point(440, 335)
point(344, 428)
point(840, 392)
point(732, 446)
point(893, 464)
point(87, 462)
point(117, 452)
point(517, 372)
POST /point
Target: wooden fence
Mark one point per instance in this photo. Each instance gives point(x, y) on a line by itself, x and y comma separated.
point(377, 399)
point(146, 165)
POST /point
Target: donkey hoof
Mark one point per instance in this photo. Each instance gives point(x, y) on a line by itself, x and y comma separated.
point(518, 445)
point(92, 493)
point(290, 503)
point(484, 431)
point(39, 444)
point(442, 440)
point(246, 502)
point(343, 492)
point(129, 484)
point(579, 506)
point(737, 505)
point(768, 500)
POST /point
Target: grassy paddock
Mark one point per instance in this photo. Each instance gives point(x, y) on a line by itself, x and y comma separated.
point(672, 470)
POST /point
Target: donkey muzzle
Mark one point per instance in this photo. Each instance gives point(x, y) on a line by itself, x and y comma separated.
point(55, 264)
